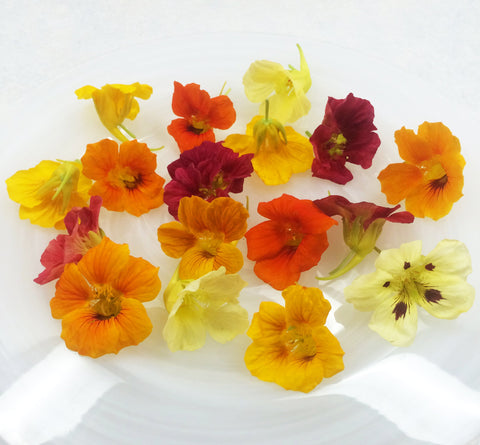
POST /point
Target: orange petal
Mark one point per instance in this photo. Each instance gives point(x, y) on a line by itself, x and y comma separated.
point(195, 263)
point(104, 262)
point(138, 157)
point(144, 198)
point(192, 212)
point(227, 216)
point(99, 159)
point(112, 197)
point(175, 240)
point(439, 137)
point(222, 114)
point(89, 335)
point(190, 100)
point(411, 147)
point(279, 271)
point(265, 240)
point(229, 257)
point(329, 351)
point(71, 292)
point(398, 180)
point(139, 280)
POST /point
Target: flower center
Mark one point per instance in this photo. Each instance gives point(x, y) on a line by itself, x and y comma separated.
point(435, 175)
point(209, 244)
point(300, 343)
point(217, 183)
point(336, 145)
point(107, 301)
point(294, 237)
point(198, 126)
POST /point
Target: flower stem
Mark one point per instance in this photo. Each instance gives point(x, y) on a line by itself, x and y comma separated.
point(377, 249)
point(309, 135)
point(126, 130)
point(348, 263)
point(267, 107)
point(157, 149)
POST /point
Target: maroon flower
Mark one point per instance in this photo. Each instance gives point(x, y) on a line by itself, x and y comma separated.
point(83, 233)
point(345, 135)
point(208, 171)
point(362, 225)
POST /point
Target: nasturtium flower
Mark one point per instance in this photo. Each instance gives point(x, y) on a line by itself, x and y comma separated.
point(115, 103)
point(48, 191)
point(278, 151)
point(83, 234)
point(204, 236)
point(347, 134)
point(291, 242)
point(207, 304)
point(124, 176)
point(362, 225)
point(291, 346)
point(404, 279)
point(431, 178)
point(199, 115)
point(100, 300)
point(209, 171)
point(285, 88)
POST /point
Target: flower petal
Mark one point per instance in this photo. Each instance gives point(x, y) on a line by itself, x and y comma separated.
point(99, 159)
point(450, 257)
point(392, 261)
point(225, 322)
point(85, 333)
point(399, 180)
point(175, 239)
point(398, 330)
point(305, 305)
point(184, 329)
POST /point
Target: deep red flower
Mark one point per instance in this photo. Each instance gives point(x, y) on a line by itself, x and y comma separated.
point(345, 135)
point(208, 171)
point(83, 233)
point(362, 225)
point(292, 242)
point(199, 115)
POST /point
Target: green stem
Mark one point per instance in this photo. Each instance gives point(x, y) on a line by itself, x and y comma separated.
point(350, 261)
point(157, 149)
point(308, 134)
point(377, 249)
point(267, 107)
point(126, 130)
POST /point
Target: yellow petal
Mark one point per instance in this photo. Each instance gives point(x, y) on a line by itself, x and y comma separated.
point(225, 322)
point(85, 92)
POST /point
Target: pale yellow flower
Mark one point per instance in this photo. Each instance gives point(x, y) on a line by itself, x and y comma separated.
point(285, 88)
point(207, 304)
point(404, 279)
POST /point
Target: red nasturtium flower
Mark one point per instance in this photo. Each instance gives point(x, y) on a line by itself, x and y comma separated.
point(292, 242)
point(83, 234)
point(431, 178)
point(100, 300)
point(345, 135)
point(125, 177)
point(199, 115)
point(209, 171)
point(362, 225)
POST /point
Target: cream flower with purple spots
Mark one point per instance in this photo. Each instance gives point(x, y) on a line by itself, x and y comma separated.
point(404, 279)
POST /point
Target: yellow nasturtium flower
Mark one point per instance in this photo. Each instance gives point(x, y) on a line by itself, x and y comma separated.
point(48, 191)
point(285, 88)
point(115, 103)
point(207, 304)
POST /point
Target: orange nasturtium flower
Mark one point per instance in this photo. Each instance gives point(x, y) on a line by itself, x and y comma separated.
point(278, 151)
point(205, 236)
point(125, 176)
point(100, 300)
point(48, 191)
point(291, 346)
point(431, 178)
point(115, 103)
point(199, 115)
point(291, 242)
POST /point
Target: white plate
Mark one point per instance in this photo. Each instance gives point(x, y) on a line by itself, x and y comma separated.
point(427, 393)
